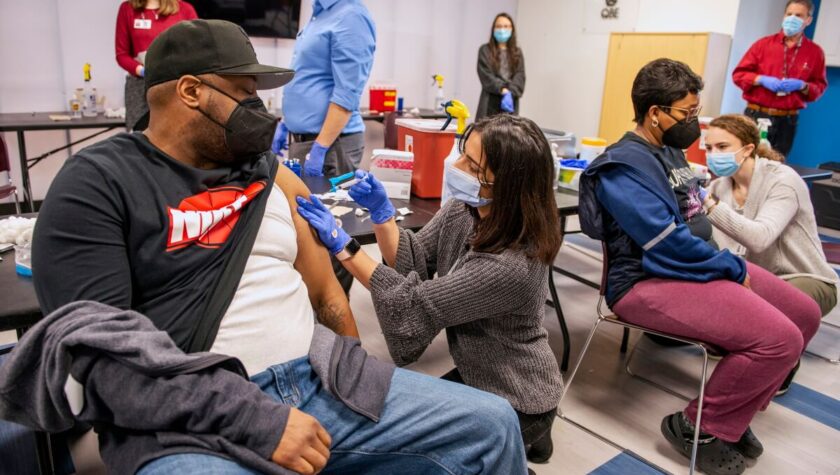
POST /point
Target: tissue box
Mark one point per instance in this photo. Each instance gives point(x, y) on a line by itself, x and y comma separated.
point(393, 168)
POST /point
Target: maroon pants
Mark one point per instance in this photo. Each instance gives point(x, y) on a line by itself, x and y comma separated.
point(764, 331)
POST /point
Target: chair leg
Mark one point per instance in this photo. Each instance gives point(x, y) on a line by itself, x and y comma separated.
point(625, 338)
point(17, 203)
point(564, 329)
point(699, 410)
point(583, 350)
point(648, 381)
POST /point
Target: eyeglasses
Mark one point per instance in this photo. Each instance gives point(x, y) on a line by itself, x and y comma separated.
point(689, 113)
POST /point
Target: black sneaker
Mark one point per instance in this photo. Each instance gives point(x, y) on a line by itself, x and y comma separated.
point(749, 445)
point(714, 456)
point(786, 384)
point(541, 450)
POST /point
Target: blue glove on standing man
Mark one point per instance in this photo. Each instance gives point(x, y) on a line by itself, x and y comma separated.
point(370, 193)
point(323, 222)
point(314, 163)
point(791, 85)
point(507, 102)
point(770, 83)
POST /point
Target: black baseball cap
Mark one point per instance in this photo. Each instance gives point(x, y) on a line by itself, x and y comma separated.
point(208, 46)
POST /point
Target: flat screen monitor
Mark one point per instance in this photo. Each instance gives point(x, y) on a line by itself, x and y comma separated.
point(259, 18)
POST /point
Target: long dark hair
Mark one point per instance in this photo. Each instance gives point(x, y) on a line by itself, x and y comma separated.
point(523, 215)
point(512, 50)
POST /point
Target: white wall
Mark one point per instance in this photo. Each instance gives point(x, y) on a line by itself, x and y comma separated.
point(566, 56)
point(44, 43)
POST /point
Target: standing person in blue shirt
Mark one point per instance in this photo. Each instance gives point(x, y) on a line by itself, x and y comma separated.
point(332, 60)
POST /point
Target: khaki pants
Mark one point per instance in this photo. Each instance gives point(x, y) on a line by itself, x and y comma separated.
point(823, 293)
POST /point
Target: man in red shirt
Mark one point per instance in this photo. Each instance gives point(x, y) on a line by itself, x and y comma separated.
point(780, 73)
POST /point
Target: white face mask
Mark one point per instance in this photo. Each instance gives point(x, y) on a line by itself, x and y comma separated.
point(464, 187)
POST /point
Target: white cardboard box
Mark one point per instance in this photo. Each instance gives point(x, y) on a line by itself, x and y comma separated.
point(393, 168)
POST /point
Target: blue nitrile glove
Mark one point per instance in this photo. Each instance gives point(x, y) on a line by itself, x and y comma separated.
point(142, 71)
point(507, 102)
point(792, 85)
point(280, 143)
point(770, 83)
point(323, 222)
point(314, 164)
point(370, 193)
point(703, 193)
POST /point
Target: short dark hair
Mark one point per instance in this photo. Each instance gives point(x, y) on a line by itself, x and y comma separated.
point(662, 82)
point(524, 212)
point(807, 3)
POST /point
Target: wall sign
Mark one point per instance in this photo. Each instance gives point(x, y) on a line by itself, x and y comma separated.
point(610, 11)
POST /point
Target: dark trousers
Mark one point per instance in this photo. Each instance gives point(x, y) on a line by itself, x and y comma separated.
point(533, 426)
point(782, 129)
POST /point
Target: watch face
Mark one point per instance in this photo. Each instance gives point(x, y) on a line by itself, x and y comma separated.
point(353, 246)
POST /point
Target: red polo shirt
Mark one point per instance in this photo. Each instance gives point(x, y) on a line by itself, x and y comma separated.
point(766, 57)
point(136, 29)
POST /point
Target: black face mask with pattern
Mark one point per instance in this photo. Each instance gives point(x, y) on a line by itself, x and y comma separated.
point(682, 134)
point(250, 128)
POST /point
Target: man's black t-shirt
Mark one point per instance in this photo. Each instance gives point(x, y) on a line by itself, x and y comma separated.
point(125, 224)
point(685, 184)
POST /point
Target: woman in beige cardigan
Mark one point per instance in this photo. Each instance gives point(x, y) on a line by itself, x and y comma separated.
point(761, 209)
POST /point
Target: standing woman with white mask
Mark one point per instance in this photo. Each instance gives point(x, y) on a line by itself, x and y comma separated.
point(491, 247)
point(501, 70)
point(761, 210)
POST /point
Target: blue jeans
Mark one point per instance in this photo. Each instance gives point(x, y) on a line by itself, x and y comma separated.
point(428, 426)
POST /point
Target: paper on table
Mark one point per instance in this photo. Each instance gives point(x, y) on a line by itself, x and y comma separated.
point(339, 211)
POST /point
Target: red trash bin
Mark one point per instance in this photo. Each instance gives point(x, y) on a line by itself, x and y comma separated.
point(430, 147)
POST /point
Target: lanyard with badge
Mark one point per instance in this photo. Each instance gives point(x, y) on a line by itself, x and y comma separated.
point(143, 23)
point(785, 63)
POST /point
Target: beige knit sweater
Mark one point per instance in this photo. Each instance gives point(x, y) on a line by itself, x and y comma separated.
point(777, 229)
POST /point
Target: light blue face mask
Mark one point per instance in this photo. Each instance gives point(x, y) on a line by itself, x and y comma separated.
point(723, 163)
point(792, 25)
point(502, 35)
point(464, 187)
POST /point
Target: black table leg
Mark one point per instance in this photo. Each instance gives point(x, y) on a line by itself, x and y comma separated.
point(43, 450)
point(24, 173)
point(43, 447)
point(564, 364)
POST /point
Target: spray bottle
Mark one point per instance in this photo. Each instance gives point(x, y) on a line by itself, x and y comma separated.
point(89, 95)
point(457, 110)
point(439, 97)
point(763, 129)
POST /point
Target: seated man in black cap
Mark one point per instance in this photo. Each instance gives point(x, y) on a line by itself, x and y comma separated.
point(193, 224)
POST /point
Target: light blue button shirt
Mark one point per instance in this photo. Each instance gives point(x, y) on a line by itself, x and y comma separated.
point(332, 60)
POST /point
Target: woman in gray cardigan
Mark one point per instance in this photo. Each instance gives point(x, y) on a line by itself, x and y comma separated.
point(761, 209)
point(491, 247)
point(501, 70)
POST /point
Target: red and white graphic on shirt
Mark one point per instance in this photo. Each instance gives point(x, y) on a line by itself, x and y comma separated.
point(207, 219)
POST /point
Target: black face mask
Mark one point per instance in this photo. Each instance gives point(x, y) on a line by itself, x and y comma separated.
point(249, 129)
point(682, 134)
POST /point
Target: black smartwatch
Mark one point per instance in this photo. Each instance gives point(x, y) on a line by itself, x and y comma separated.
point(349, 250)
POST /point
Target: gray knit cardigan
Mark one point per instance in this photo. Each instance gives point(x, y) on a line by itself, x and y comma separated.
point(491, 305)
